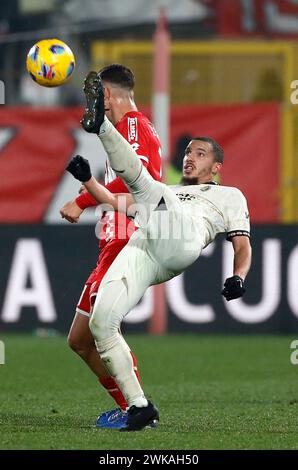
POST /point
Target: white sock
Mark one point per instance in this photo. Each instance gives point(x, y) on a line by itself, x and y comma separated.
point(139, 402)
point(123, 159)
point(105, 126)
point(116, 356)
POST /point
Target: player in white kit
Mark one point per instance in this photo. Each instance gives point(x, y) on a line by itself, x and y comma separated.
point(176, 223)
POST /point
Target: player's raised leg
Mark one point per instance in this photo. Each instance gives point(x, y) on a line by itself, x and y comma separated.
point(123, 159)
point(158, 205)
point(126, 164)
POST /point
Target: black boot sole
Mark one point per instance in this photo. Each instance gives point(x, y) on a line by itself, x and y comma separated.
point(91, 121)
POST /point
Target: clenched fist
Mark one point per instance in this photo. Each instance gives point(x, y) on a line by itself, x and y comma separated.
point(79, 168)
point(71, 212)
point(233, 288)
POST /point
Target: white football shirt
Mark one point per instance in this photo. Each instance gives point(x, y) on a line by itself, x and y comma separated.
point(221, 209)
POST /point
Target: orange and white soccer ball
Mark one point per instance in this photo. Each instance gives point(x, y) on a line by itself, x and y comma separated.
point(50, 62)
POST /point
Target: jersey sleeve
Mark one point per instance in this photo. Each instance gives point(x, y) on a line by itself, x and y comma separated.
point(237, 216)
point(117, 186)
point(85, 200)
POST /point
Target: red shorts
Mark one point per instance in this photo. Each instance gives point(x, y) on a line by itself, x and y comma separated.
point(106, 258)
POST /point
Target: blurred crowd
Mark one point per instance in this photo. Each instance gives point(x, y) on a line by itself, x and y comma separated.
point(23, 22)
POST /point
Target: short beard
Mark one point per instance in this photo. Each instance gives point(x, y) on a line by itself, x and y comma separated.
point(189, 181)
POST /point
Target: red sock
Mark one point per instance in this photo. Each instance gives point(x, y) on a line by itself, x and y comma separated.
point(112, 387)
point(114, 391)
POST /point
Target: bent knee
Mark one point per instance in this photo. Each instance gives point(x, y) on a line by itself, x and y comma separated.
point(109, 309)
point(79, 345)
point(103, 327)
point(74, 343)
point(97, 324)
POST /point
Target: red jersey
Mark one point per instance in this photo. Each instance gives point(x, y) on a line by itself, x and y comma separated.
point(140, 133)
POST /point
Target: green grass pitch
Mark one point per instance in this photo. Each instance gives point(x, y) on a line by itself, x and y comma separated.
point(213, 392)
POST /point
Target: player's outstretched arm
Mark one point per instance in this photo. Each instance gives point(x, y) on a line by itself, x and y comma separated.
point(233, 286)
point(119, 202)
point(79, 167)
point(242, 255)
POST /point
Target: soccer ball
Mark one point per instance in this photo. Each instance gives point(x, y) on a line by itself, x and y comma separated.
point(50, 62)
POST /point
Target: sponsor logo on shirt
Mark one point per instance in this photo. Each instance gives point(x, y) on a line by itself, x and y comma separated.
point(135, 146)
point(132, 129)
point(186, 197)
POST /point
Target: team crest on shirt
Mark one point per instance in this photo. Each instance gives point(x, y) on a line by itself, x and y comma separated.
point(132, 129)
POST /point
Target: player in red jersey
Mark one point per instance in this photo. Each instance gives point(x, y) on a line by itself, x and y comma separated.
point(116, 228)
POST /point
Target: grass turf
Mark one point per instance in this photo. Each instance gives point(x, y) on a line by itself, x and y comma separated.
point(213, 392)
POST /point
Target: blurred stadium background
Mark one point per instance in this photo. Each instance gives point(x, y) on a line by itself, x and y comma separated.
point(232, 68)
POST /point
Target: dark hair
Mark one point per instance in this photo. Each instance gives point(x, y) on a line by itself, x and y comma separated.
point(217, 149)
point(119, 75)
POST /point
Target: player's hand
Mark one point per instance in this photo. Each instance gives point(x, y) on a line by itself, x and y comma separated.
point(79, 168)
point(71, 212)
point(233, 288)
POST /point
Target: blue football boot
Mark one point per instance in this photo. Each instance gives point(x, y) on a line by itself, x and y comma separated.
point(113, 419)
point(117, 419)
